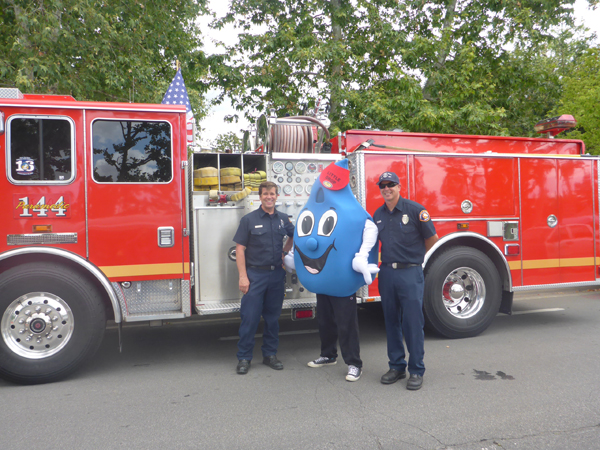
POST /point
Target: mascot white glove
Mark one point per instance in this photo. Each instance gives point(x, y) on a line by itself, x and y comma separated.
point(360, 262)
point(288, 261)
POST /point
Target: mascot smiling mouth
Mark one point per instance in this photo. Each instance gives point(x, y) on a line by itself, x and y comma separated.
point(314, 266)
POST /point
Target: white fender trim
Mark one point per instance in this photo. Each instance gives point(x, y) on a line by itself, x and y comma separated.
point(89, 267)
point(452, 236)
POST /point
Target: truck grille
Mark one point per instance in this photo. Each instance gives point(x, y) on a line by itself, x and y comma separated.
point(41, 238)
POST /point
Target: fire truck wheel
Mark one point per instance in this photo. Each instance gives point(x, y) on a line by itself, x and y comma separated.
point(462, 293)
point(51, 320)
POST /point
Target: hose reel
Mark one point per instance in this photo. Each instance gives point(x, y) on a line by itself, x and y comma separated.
point(299, 134)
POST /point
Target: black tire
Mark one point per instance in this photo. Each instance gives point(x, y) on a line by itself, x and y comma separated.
point(462, 293)
point(61, 313)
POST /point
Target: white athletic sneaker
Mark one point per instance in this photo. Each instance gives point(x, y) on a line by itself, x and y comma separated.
point(353, 373)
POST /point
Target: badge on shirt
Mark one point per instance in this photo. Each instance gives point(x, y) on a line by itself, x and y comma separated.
point(424, 216)
point(257, 226)
point(405, 219)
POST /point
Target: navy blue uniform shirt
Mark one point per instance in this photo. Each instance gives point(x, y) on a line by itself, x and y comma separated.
point(262, 234)
point(403, 231)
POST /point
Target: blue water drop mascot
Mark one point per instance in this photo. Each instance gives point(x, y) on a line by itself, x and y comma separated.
point(334, 255)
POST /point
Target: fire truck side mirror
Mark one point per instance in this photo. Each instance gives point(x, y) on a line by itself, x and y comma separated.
point(1, 122)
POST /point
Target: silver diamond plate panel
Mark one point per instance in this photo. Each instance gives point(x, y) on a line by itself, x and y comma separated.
point(149, 297)
point(362, 293)
point(168, 315)
point(186, 297)
point(229, 307)
point(10, 93)
point(356, 162)
point(120, 296)
point(41, 238)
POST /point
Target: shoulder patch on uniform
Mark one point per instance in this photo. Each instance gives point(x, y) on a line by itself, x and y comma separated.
point(424, 216)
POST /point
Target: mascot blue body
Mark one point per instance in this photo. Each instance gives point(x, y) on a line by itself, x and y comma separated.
point(329, 233)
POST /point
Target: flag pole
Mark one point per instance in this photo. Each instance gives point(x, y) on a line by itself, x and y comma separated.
point(177, 95)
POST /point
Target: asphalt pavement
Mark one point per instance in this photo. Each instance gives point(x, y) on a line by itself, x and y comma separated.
point(528, 382)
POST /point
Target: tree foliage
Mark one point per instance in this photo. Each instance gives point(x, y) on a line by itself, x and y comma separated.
point(227, 142)
point(581, 98)
point(101, 49)
point(481, 67)
point(305, 50)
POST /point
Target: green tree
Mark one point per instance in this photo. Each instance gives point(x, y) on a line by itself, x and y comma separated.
point(306, 50)
point(581, 98)
point(483, 68)
point(227, 142)
point(436, 66)
point(101, 49)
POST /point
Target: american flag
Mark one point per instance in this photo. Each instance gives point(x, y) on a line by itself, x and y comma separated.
point(177, 95)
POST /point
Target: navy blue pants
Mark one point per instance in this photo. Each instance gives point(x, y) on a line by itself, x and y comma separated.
point(264, 298)
point(401, 293)
point(338, 319)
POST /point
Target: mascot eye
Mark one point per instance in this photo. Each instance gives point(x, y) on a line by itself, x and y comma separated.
point(305, 223)
point(327, 223)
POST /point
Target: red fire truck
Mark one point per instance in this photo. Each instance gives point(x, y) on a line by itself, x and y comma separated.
point(513, 214)
point(107, 217)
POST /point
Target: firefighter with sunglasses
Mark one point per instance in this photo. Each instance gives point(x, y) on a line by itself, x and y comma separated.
point(406, 233)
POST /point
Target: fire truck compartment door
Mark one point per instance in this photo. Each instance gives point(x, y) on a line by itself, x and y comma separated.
point(465, 187)
point(218, 278)
point(557, 221)
point(135, 197)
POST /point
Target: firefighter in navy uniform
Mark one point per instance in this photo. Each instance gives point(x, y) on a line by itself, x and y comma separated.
point(406, 233)
point(259, 254)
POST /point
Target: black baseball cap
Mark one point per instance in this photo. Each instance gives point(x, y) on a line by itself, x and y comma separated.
point(388, 176)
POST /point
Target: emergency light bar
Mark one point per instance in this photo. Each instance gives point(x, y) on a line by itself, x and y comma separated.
point(555, 125)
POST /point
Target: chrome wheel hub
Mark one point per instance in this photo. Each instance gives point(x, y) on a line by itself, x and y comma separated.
point(37, 325)
point(463, 292)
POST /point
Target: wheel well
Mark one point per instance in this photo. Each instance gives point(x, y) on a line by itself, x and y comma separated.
point(481, 245)
point(16, 260)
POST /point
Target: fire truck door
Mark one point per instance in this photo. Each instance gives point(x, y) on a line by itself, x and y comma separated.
point(374, 166)
point(557, 221)
point(135, 198)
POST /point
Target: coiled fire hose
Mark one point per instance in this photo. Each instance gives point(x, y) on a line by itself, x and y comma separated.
point(294, 138)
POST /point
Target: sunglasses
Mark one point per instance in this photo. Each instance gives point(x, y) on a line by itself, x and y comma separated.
point(387, 185)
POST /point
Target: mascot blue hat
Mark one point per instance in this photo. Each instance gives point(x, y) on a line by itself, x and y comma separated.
point(329, 233)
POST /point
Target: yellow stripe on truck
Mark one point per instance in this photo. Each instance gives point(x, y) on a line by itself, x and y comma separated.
point(138, 270)
point(551, 263)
